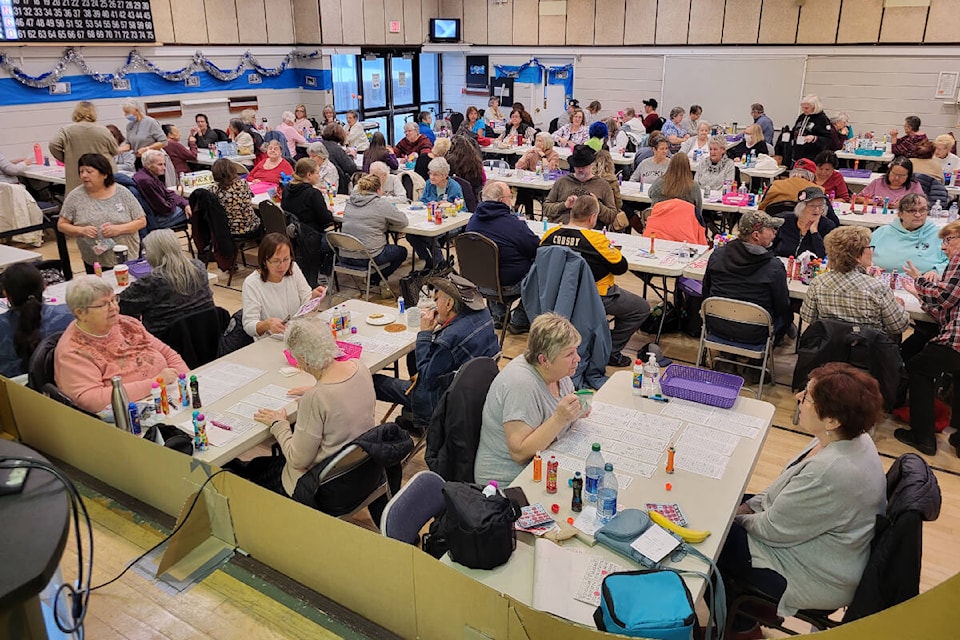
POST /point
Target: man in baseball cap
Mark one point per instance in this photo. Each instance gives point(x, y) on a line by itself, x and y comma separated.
point(745, 269)
point(802, 175)
point(651, 121)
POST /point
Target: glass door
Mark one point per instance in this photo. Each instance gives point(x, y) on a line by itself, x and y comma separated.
point(392, 82)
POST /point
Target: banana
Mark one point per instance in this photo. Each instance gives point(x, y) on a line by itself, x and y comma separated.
point(688, 535)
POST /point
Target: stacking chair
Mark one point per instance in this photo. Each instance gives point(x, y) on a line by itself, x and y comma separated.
point(367, 478)
point(345, 242)
point(407, 183)
point(40, 374)
point(779, 209)
point(418, 502)
point(273, 218)
point(479, 260)
point(496, 164)
point(742, 313)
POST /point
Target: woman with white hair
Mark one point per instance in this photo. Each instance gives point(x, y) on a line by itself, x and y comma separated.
point(289, 131)
point(943, 144)
point(542, 151)
point(317, 151)
point(325, 423)
point(178, 286)
point(440, 187)
point(390, 184)
point(413, 142)
point(143, 132)
point(356, 136)
point(101, 343)
point(700, 142)
point(812, 132)
point(715, 167)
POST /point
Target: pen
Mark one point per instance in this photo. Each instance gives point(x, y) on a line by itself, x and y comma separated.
point(223, 426)
point(655, 398)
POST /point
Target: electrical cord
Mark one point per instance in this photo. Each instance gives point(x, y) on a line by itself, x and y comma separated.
point(186, 517)
point(79, 599)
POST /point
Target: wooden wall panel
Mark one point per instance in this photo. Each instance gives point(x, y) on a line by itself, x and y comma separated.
point(943, 22)
point(860, 21)
point(412, 22)
point(280, 29)
point(553, 30)
point(331, 26)
point(525, 28)
point(189, 21)
point(903, 24)
point(609, 22)
point(162, 21)
point(222, 21)
point(252, 22)
point(741, 22)
point(581, 16)
point(393, 10)
point(475, 22)
point(673, 20)
point(374, 27)
point(706, 22)
point(306, 20)
point(451, 9)
point(778, 22)
point(641, 22)
point(818, 22)
point(428, 9)
point(351, 17)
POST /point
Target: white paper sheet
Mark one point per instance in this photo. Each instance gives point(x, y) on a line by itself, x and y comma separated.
point(655, 543)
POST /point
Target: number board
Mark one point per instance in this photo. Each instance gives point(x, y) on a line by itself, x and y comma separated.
point(76, 21)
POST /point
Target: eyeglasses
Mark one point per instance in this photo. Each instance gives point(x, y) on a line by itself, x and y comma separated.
point(872, 247)
point(115, 301)
point(278, 261)
point(917, 212)
point(803, 398)
point(948, 239)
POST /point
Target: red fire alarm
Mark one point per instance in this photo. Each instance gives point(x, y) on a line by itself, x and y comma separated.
point(394, 26)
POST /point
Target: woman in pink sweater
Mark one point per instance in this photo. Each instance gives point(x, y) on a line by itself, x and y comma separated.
point(100, 344)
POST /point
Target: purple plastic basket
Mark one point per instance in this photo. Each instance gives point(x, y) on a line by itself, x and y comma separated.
point(855, 173)
point(139, 268)
point(701, 385)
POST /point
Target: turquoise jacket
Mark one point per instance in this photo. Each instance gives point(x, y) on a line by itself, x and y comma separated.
point(894, 245)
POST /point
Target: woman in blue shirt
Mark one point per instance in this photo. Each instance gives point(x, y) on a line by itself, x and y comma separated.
point(472, 122)
point(440, 187)
point(425, 120)
point(29, 319)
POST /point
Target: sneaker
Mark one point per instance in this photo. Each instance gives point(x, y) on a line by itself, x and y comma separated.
point(909, 437)
point(619, 360)
point(514, 329)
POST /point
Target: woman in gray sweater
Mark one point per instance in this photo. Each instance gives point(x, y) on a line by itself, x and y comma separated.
point(806, 538)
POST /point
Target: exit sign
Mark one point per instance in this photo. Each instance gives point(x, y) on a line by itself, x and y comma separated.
point(394, 26)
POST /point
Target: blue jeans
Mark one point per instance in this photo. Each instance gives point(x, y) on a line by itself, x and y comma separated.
point(498, 311)
point(389, 260)
point(154, 221)
point(427, 248)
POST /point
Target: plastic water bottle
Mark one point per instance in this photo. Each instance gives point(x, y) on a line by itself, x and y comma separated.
point(936, 211)
point(952, 215)
point(638, 377)
point(607, 495)
point(651, 376)
point(753, 157)
point(593, 473)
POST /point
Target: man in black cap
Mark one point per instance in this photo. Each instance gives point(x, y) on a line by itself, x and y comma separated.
point(458, 329)
point(572, 105)
point(651, 121)
point(579, 182)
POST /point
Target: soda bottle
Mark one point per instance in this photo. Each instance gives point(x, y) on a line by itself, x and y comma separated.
point(593, 472)
point(552, 466)
point(637, 377)
point(576, 503)
point(607, 495)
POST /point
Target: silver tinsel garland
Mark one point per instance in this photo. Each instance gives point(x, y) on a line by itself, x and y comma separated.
point(136, 61)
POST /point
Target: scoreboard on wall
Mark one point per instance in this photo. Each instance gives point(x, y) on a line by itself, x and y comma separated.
point(76, 21)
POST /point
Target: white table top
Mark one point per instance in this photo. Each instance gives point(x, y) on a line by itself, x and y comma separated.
point(847, 155)
point(706, 502)
point(11, 255)
point(665, 260)
point(54, 174)
point(267, 354)
point(205, 158)
point(753, 172)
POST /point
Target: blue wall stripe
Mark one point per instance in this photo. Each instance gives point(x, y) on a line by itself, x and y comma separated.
point(84, 87)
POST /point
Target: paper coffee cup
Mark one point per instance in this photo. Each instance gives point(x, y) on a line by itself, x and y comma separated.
point(120, 253)
point(122, 272)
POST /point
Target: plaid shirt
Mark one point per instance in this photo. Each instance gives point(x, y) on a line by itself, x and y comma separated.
point(907, 145)
point(854, 297)
point(942, 301)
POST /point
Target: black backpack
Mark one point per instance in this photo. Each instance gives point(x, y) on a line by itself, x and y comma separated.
point(477, 530)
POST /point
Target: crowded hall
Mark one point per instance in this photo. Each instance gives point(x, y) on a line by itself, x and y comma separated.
point(534, 319)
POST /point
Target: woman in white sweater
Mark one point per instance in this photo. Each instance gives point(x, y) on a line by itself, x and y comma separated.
point(276, 290)
point(805, 540)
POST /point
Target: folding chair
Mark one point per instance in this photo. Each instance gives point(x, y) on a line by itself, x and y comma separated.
point(345, 242)
point(351, 459)
point(479, 260)
point(273, 218)
point(418, 502)
point(496, 164)
point(742, 313)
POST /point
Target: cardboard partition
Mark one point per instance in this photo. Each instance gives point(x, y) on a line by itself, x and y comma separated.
point(8, 425)
point(453, 605)
point(361, 570)
point(161, 477)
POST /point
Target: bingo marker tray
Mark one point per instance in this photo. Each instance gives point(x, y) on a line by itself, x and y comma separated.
point(701, 385)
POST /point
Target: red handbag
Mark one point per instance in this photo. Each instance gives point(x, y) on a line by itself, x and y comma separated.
point(941, 414)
